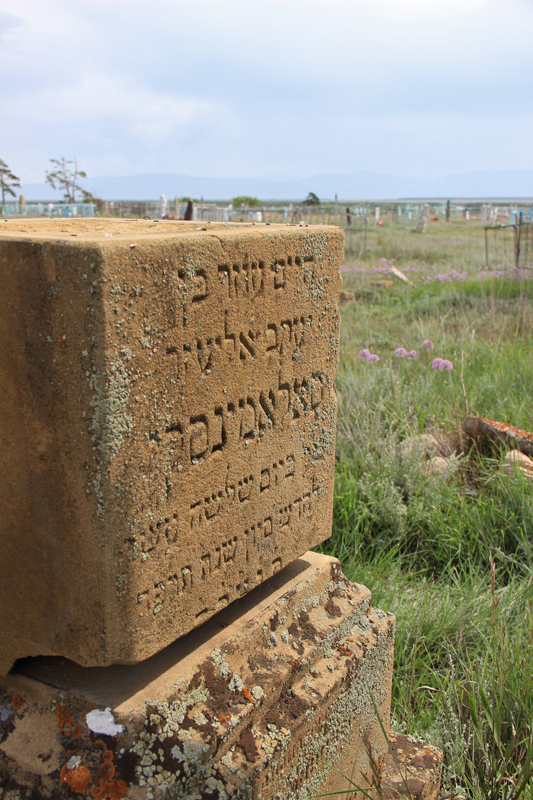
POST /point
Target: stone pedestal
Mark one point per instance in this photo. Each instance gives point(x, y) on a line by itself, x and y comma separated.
point(270, 699)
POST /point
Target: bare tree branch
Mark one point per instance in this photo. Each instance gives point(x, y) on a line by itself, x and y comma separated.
point(65, 178)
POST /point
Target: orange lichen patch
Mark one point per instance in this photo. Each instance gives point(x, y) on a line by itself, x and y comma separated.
point(16, 702)
point(344, 650)
point(506, 427)
point(63, 717)
point(248, 695)
point(78, 778)
point(110, 790)
point(78, 731)
point(107, 767)
point(222, 718)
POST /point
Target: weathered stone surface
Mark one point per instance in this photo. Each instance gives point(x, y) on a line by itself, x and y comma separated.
point(436, 465)
point(412, 769)
point(167, 419)
point(399, 274)
point(482, 429)
point(265, 700)
point(514, 460)
point(346, 298)
point(423, 445)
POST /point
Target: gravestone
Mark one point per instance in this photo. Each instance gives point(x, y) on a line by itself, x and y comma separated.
point(168, 425)
point(168, 447)
point(420, 226)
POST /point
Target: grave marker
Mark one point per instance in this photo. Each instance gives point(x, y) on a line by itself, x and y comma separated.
point(168, 444)
point(168, 420)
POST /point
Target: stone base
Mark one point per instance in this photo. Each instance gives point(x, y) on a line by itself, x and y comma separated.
point(272, 698)
point(411, 769)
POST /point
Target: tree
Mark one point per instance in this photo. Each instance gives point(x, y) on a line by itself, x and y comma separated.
point(311, 200)
point(7, 181)
point(65, 178)
point(247, 202)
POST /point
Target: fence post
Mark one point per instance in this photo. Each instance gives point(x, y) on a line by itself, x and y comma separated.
point(518, 231)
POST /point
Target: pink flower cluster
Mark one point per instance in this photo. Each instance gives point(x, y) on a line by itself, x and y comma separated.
point(366, 355)
point(439, 364)
point(502, 271)
point(401, 352)
point(442, 364)
point(445, 277)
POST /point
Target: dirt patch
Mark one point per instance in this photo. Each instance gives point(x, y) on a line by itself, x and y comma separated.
point(307, 629)
point(289, 707)
point(274, 621)
point(332, 609)
point(248, 746)
point(260, 661)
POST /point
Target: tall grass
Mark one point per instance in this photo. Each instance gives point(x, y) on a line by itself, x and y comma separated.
point(451, 554)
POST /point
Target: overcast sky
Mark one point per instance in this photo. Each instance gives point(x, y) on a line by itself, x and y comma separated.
point(266, 87)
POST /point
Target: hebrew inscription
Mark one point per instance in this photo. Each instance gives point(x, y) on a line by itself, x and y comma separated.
point(224, 427)
point(197, 357)
point(242, 443)
point(244, 558)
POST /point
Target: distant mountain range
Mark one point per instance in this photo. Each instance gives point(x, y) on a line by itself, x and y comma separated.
point(512, 184)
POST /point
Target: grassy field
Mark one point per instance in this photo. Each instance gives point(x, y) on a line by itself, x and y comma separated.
point(450, 553)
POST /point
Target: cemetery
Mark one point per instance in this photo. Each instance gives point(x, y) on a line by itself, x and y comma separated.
point(266, 384)
point(169, 425)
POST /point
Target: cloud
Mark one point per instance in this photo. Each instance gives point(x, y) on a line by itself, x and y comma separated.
point(294, 86)
point(104, 97)
point(8, 21)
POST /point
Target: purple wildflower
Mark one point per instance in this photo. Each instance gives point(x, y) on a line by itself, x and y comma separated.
point(363, 355)
point(437, 364)
point(373, 358)
point(401, 352)
point(447, 365)
point(428, 344)
point(412, 354)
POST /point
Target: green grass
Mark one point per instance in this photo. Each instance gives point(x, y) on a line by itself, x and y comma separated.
point(451, 554)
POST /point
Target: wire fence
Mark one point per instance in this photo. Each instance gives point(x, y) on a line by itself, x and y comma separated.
point(508, 228)
point(22, 210)
point(510, 244)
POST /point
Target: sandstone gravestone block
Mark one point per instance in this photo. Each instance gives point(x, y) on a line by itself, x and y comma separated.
point(167, 418)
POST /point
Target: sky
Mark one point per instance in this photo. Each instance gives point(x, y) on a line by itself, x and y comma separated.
point(266, 88)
